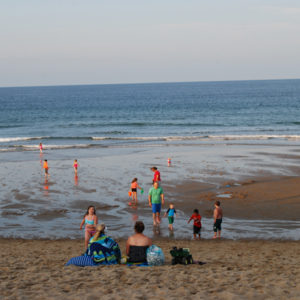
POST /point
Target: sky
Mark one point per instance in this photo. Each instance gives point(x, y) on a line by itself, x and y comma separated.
point(62, 42)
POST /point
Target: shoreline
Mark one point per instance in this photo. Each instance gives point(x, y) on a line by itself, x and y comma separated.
point(256, 191)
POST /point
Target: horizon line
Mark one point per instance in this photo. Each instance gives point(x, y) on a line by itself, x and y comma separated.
point(141, 83)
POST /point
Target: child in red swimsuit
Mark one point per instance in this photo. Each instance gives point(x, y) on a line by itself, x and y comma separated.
point(75, 165)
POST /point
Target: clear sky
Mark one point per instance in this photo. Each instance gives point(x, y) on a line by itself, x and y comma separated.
point(57, 42)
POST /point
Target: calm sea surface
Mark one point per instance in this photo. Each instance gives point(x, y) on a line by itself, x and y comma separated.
point(105, 115)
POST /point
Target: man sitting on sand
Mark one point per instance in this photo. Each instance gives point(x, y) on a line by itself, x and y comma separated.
point(156, 199)
point(218, 215)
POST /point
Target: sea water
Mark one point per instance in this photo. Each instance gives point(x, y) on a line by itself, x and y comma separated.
point(117, 132)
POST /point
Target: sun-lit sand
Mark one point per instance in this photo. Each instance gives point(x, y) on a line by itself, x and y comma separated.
point(34, 269)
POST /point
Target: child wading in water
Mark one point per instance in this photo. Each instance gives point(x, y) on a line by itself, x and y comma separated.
point(75, 165)
point(197, 224)
point(90, 221)
point(218, 215)
point(46, 168)
point(171, 211)
point(134, 187)
point(41, 148)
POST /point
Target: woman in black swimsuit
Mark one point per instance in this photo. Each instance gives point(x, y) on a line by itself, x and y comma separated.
point(137, 244)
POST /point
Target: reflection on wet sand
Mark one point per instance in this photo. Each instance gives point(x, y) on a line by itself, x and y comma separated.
point(46, 188)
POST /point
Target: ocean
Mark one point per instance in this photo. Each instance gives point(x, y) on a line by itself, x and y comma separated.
point(107, 115)
point(117, 132)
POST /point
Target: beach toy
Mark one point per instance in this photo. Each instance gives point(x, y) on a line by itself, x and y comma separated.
point(155, 256)
point(142, 191)
point(129, 194)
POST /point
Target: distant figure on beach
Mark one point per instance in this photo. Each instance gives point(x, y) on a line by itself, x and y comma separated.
point(90, 221)
point(41, 148)
point(218, 215)
point(156, 176)
point(101, 250)
point(197, 224)
point(75, 166)
point(134, 187)
point(156, 200)
point(46, 167)
point(169, 162)
point(171, 212)
point(137, 244)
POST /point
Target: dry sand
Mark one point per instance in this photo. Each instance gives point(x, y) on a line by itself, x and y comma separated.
point(34, 269)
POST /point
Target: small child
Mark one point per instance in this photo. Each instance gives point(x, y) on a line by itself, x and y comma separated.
point(46, 167)
point(171, 211)
point(134, 187)
point(90, 221)
point(197, 224)
point(218, 215)
point(75, 165)
point(41, 148)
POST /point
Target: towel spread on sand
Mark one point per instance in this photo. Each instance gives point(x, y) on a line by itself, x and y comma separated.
point(103, 251)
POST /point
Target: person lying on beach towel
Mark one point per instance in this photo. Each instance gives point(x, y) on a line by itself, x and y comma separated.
point(102, 250)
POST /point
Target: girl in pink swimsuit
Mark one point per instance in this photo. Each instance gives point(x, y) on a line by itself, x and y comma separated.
point(75, 165)
point(90, 221)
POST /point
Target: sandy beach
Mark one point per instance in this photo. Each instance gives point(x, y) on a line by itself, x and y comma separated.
point(245, 269)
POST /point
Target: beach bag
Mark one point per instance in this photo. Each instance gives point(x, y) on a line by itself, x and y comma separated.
point(155, 256)
point(181, 256)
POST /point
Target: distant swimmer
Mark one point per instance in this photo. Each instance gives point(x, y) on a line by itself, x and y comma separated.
point(41, 148)
point(46, 168)
point(75, 166)
point(218, 215)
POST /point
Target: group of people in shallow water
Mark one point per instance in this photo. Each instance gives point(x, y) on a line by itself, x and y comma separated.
point(103, 249)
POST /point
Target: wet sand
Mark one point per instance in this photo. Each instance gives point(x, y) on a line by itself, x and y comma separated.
point(34, 269)
point(274, 197)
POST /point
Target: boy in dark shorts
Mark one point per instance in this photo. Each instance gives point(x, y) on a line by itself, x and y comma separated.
point(218, 215)
point(197, 224)
point(171, 211)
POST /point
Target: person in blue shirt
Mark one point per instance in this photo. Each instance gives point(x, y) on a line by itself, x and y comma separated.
point(171, 212)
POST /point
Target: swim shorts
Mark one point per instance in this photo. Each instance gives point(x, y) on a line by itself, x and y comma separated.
point(171, 220)
point(133, 189)
point(156, 207)
point(197, 230)
point(217, 225)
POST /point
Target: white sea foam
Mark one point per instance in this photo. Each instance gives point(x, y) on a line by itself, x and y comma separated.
point(16, 139)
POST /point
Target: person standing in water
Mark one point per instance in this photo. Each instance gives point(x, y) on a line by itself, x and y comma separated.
point(156, 176)
point(134, 187)
point(218, 215)
point(156, 200)
point(46, 168)
point(75, 166)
